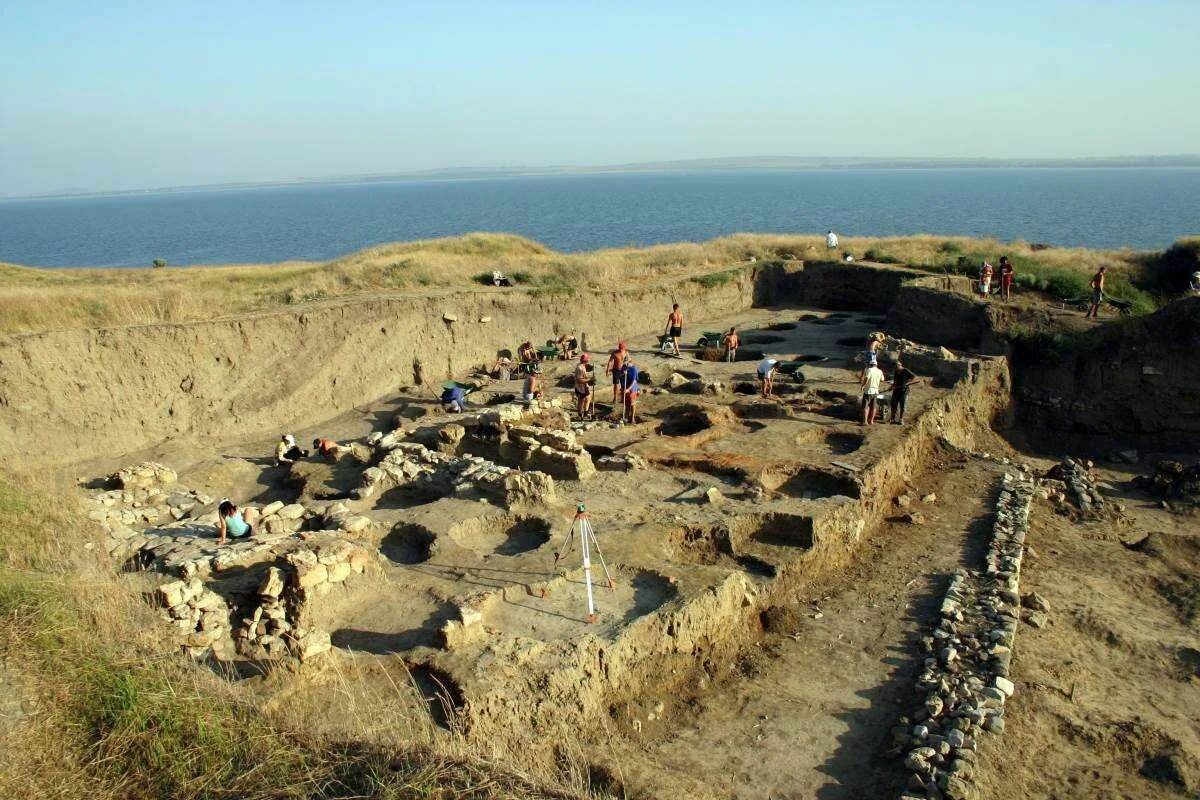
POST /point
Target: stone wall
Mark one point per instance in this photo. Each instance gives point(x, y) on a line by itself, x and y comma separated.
point(964, 684)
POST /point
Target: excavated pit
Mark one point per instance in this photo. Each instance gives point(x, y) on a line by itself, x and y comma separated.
point(838, 443)
point(762, 338)
point(808, 483)
point(686, 422)
point(458, 589)
point(562, 613)
point(501, 536)
point(409, 495)
point(775, 530)
point(441, 694)
point(391, 622)
point(408, 543)
point(712, 546)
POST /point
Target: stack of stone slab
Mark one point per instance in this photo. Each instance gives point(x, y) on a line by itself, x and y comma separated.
point(200, 617)
point(965, 682)
point(280, 627)
point(554, 452)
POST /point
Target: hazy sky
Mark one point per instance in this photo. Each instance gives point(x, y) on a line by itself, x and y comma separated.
point(109, 94)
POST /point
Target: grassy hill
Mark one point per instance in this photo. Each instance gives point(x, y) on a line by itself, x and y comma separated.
point(40, 299)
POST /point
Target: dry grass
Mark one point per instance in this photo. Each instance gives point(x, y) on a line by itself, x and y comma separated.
point(107, 714)
point(43, 299)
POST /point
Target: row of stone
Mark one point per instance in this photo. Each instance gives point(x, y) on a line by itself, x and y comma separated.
point(965, 681)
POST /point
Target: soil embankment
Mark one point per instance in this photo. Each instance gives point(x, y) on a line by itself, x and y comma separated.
point(68, 396)
point(1131, 383)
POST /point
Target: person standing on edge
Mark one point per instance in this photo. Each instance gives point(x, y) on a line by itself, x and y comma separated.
point(615, 359)
point(731, 345)
point(1006, 278)
point(985, 279)
point(902, 379)
point(831, 240)
point(872, 380)
point(1097, 284)
point(675, 326)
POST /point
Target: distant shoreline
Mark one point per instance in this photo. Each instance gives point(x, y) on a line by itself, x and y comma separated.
point(659, 167)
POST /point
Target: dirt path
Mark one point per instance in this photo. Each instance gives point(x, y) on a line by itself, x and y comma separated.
point(809, 713)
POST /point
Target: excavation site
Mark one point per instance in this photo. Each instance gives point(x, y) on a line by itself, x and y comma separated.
point(734, 591)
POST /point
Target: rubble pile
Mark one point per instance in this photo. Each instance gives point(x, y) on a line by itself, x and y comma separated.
point(409, 463)
point(1173, 482)
point(965, 682)
point(1072, 487)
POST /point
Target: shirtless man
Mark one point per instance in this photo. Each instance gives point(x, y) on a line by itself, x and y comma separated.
point(1097, 284)
point(730, 340)
point(585, 387)
point(615, 359)
point(675, 326)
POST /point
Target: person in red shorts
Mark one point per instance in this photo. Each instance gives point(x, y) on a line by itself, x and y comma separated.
point(1006, 278)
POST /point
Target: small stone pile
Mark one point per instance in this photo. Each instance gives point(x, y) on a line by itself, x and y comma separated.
point(965, 681)
point(626, 462)
point(1072, 487)
point(200, 616)
point(1173, 482)
point(147, 475)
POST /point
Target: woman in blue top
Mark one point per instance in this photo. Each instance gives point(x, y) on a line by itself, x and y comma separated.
point(629, 386)
point(229, 521)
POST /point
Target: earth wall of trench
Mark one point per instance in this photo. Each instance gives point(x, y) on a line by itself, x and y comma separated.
point(77, 395)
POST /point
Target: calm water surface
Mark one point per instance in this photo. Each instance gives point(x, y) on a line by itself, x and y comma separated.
point(1139, 208)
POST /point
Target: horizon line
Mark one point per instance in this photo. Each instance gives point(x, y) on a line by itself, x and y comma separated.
point(723, 163)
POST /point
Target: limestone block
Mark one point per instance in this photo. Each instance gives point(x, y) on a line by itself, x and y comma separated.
point(273, 582)
point(339, 572)
point(172, 594)
point(293, 511)
point(310, 576)
point(271, 508)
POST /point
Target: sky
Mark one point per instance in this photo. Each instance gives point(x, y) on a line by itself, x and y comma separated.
point(116, 95)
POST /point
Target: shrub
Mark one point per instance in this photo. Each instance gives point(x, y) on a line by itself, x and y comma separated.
point(712, 280)
point(159, 263)
point(880, 257)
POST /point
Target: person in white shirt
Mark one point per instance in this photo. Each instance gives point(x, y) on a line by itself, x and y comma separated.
point(766, 374)
point(831, 240)
point(872, 380)
point(1194, 285)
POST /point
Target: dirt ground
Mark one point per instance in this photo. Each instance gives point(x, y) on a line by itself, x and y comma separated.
point(1109, 692)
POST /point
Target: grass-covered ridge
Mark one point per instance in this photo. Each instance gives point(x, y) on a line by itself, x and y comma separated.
point(41, 299)
point(107, 714)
